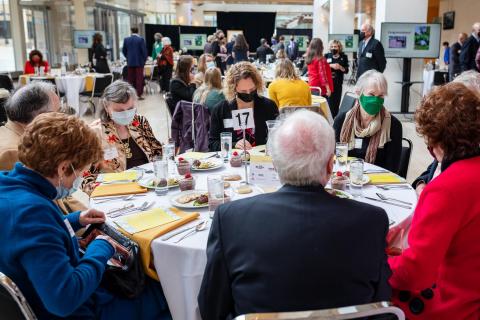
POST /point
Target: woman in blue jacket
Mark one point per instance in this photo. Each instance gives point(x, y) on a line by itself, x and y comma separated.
point(39, 250)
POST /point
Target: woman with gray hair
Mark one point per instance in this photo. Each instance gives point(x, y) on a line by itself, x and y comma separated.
point(371, 132)
point(127, 138)
point(165, 64)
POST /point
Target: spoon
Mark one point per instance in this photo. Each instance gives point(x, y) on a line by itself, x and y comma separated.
point(383, 197)
point(198, 228)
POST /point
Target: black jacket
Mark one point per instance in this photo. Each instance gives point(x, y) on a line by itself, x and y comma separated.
point(295, 249)
point(377, 60)
point(338, 75)
point(100, 54)
point(264, 109)
point(179, 90)
point(454, 67)
point(467, 56)
point(389, 156)
point(427, 175)
point(262, 53)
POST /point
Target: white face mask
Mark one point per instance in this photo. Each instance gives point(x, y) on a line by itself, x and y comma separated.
point(211, 64)
point(124, 118)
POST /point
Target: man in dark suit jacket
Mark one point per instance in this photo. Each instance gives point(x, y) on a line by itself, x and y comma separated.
point(135, 50)
point(454, 67)
point(299, 248)
point(470, 48)
point(371, 54)
point(263, 51)
point(292, 49)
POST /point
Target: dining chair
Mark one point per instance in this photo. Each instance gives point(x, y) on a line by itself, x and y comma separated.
point(316, 89)
point(405, 158)
point(13, 304)
point(100, 83)
point(347, 103)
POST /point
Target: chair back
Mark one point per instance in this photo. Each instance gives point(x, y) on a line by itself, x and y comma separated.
point(6, 82)
point(405, 158)
point(190, 126)
point(314, 90)
point(348, 102)
point(13, 304)
point(352, 312)
point(102, 82)
point(3, 113)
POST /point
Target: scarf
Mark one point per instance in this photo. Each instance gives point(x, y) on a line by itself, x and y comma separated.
point(378, 130)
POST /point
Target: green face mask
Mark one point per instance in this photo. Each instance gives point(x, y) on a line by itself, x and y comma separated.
point(371, 104)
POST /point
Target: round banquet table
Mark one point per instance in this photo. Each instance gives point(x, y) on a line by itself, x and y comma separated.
point(180, 266)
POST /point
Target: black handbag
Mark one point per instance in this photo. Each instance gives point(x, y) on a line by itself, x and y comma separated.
point(124, 275)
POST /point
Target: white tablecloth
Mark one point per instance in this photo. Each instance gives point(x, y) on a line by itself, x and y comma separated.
point(71, 85)
point(180, 266)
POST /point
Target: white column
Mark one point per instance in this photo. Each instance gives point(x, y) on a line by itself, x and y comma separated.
point(184, 13)
point(342, 16)
point(198, 19)
point(401, 11)
point(80, 23)
point(18, 34)
point(320, 20)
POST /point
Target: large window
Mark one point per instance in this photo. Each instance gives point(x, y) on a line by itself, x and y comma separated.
point(7, 56)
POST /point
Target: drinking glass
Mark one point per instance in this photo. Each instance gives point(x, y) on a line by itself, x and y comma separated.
point(169, 156)
point(341, 153)
point(271, 124)
point(226, 145)
point(42, 70)
point(160, 167)
point(356, 177)
point(216, 192)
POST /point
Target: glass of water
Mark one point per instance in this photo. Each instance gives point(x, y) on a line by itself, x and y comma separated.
point(356, 177)
point(341, 153)
point(160, 167)
point(226, 145)
point(271, 124)
point(169, 156)
point(216, 192)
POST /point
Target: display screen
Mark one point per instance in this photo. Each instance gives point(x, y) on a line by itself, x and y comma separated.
point(193, 41)
point(83, 39)
point(411, 40)
point(349, 41)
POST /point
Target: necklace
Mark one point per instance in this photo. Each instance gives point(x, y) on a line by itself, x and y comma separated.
point(125, 145)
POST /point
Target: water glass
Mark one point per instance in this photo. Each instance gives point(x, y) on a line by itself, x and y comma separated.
point(160, 167)
point(271, 124)
point(226, 145)
point(341, 153)
point(169, 156)
point(216, 192)
point(42, 70)
point(356, 177)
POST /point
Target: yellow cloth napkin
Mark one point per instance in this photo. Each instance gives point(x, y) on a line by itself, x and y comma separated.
point(385, 178)
point(89, 83)
point(142, 221)
point(145, 238)
point(119, 176)
point(105, 190)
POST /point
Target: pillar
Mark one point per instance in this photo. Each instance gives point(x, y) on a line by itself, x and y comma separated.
point(342, 16)
point(18, 34)
point(80, 23)
point(320, 20)
point(198, 18)
point(184, 13)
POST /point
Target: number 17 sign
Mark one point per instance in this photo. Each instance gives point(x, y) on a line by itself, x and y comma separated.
point(243, 119)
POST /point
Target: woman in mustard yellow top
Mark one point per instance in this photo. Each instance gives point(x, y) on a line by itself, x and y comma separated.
point(288, 89)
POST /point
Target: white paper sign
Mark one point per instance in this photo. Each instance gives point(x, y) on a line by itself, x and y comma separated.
point(243, 119)
point(262, 171)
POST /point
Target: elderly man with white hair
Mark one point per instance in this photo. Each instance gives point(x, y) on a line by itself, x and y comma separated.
point(371, 54)
point(299, 248)
point(470, 48)
point(372, 133)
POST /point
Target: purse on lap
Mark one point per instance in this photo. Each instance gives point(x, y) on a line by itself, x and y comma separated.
point(124, 275)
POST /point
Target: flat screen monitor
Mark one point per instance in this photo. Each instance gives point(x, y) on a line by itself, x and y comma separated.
point(193, 41)
point(301, 40)
point(83, 39)
point(411, 40)
point(349, 41)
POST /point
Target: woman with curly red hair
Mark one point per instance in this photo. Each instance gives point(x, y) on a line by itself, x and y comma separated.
point(438, 276)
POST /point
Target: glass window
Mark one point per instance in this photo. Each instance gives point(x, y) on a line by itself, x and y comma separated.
point(7, 55)
point(123, 20)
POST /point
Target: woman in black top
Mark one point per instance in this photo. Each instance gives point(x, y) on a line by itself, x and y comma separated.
point(99, 54)
point(338, 62)
point(243, 85)
point(240, 49)
point(182, 85)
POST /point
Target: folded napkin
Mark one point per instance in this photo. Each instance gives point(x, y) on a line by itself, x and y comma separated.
point(105, 190)
point(119, 176)
point(145, 238)
point(385, 178)
point(134, 223)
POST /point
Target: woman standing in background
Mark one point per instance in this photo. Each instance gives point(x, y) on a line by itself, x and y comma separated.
point(338, 62)
point(319, 73)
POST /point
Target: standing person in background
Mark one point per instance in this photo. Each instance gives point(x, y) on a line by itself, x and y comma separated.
point(371, 54)
point(319, 73)
point(240, 49)
point(292, 49)
point(470, 48)
point(454, 67)
point(219, 50)
point(229, 47)
point(338, 62)
point(35, 60)
point(263, 51)
point(280, 45)
point(99, 54)
point(165, 64)
point(446, 53)
point(157, 45)
point(207, 48)
point(135, 50)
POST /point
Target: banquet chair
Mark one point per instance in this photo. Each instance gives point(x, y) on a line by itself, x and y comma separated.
point(100, 82)
point(316, 89)
point(352, 312)
point(348, 102)
point(3, 113)
point(13, 304)
point(151, 85)
point(6, 82)
point(405, 158)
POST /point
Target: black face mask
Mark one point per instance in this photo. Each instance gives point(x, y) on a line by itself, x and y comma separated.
point(334, 51)
point(247, 97)
point(361, 36)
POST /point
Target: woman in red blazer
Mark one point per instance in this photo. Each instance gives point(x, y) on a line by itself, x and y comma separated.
point(438, 276)
point(319, 73)
point(35, 59)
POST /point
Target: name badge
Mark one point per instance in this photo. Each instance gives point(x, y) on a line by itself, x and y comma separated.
point(228, 123)
point(110, 153)
point(329, 60)
point(358, 143)
point(368, 55)
point(69, 227)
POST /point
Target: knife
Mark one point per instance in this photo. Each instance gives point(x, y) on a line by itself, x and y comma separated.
point(390, 203)
point(174, 233)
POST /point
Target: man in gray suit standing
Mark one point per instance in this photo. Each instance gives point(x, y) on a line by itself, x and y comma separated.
point(371, 54)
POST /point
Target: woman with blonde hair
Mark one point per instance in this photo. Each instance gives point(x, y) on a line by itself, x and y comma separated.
point(338, 62)
point(288, 89)
point(243, 90)
point(205, 61)
point(280, 54)
point(210, 92)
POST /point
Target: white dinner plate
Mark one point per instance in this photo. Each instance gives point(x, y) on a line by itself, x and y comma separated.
point(189, 205)
point(147, 183)
point(217, 163)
